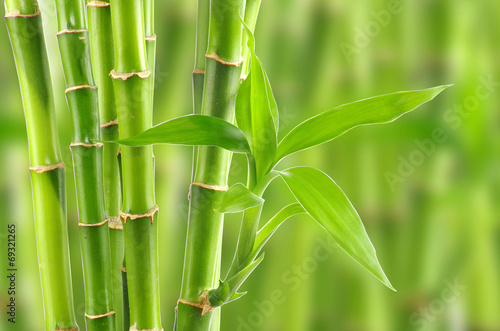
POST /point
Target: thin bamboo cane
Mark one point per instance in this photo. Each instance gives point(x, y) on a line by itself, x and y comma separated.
point(133, 95)
point(24, 24)
point(101, 44)
point(82, 99)
point(202, 257)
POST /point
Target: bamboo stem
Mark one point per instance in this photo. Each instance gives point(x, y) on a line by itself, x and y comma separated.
point(47, 170)
point(133, 96)
point(82, 99)
point(202, 257)
point(101, 42)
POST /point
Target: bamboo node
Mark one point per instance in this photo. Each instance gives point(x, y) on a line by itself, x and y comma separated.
point(78, 87)
point(71, 31)
point(150, 38)
point(77, 144)
point(93, 224)
point(204, 305)
point(151, 214)
point(110, 123)
point(125, 76)
point(98, 4)
point(217, 58)
point(45, 168)
point(211, 187)
point(115, 223)
point(199, 71)
point(72, 329)
point(94, 317)
point(17, 13)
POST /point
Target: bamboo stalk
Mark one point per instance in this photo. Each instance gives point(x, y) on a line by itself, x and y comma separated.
point(82, 99)
point(133, 95)
point(251, 13)
point(101, 42)
point(46, 166)
point(202, 21)
point(204, 236)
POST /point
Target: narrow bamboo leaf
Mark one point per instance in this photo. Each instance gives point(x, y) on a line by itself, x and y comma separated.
point(274, 223)
point(193, 130)
point(272, 102)
point(256, 114)
point(226, 292)
point(325, 202)
point(237, 199)
point(333, 123)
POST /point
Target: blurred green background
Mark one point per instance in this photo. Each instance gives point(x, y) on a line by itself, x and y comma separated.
point(427, 186)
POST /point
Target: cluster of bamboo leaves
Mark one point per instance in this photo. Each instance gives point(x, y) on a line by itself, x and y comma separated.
point(316, 193)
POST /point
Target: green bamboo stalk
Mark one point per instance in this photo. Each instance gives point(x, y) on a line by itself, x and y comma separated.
point(202, 21)
point(24, 24)
point(251, 14)
point(82, 99)
point(133, 96)
point(101, 45)
point(204, 235)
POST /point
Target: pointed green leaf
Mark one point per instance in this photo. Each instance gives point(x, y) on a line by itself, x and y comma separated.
point(256, 113)
point(325, 202)
point(227, 289)
point(193, 130)
point(333, 123)
point(237, 199)
point(274, 223)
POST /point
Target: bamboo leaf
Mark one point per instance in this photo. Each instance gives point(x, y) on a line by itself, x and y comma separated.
point(237, 199)
point(325, 202)
point(227, 290)
point(256, 113)
point(193, 130)
point(274, 223)
point(333, 123)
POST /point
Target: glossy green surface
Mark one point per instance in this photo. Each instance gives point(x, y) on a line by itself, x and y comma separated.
point(48, 188)
point(87, 164)
point(134, 106)
point(102, 50)
point(202, 255)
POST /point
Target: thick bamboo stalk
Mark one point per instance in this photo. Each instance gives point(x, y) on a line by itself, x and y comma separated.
point(202, 257)
point(101, 45)
point(133, 95)
point(82, 99)
point(46, 166)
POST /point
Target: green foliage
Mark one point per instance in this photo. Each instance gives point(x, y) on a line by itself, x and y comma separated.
point(238, 198)
point(193, 130)
point(317, 194)
point(226, 292)
point(333, 123)
point(257, 113)
point(325, 202)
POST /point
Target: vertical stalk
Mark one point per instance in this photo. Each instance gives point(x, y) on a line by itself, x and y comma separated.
point(204, 236)
point(81, 96)
point(133, 97)
point(251, 14)
point(202, 20)
point(101, 45)
point(24, 24)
